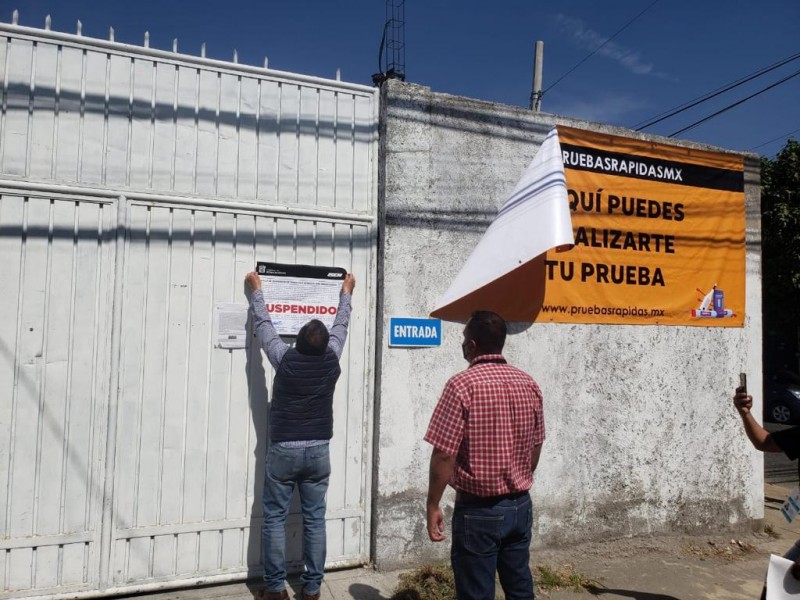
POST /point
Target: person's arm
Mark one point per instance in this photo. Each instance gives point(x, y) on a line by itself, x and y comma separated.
point(538, 428)
point(441, 470)
point(759, 437)
point(535, 454)
point(263, 328)
point(338, 332)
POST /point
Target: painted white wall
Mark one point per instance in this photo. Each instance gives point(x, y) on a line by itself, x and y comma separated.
point(641, 434)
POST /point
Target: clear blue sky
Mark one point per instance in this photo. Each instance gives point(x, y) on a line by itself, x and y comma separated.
point(676, 51)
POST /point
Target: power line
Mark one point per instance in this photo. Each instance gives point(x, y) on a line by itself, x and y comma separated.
point(735, 104)
point(709, 95)
point(591, 54)
point(780, 137)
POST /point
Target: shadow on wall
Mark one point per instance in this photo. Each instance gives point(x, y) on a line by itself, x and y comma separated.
point(21, 99)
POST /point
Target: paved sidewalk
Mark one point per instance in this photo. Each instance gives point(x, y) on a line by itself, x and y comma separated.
point(656, 568)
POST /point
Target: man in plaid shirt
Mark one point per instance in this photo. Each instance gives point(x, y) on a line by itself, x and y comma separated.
point(487, 433)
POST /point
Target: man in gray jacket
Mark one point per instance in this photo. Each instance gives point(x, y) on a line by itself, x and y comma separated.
point(300, 426)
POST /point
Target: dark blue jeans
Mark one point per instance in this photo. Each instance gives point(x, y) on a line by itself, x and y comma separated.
point(309, 469)
point(492, 535)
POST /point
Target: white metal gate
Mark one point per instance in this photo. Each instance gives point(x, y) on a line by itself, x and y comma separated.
point(191, 426)
point(138, 187)
point(55, 333)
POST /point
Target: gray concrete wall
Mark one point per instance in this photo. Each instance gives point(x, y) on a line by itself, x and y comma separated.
point(642, 436)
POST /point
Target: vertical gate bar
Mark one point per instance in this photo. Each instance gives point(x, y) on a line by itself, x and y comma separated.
point(151, 150)
point(14, 396)
point(107, 521)
point(252, 349)
point(127, 563)
point(152, 554)
point(104, 156)
point(196, 131)
point(129, 149)
point(66, 418)
point(316, 150)
point(142, 352)
point(60, 566)
point(56, 100)
point(208, 371)
point(81, 112)
point(230, 386)
point(278, 120)
point(90, 494)
point(187, 352)
point(98, 305)
point(164, 370)
point(335, 148)
point(298, 123)
point(31, 93)
point(216, 156)
point(5, 104)
point(174, 127)
point(353, 155)
point(258, 140)
point(43, 383)
point(238, 135)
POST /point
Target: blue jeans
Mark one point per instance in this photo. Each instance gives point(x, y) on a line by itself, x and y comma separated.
point(310, 469)
point(492, 535)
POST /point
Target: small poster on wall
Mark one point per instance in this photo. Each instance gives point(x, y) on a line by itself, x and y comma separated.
point(230, 325)
point(295, 294)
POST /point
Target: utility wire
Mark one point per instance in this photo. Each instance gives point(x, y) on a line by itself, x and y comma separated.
point(780, 137)
point(735, 104)
point(709, 95)
point(593, 52)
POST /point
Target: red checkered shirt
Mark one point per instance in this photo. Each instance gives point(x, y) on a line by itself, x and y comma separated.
point(489, 417)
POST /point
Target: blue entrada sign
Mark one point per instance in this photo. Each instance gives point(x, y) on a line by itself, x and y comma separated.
point(414, 333)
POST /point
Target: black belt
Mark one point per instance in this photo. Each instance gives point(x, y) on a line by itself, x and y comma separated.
point(475, 499)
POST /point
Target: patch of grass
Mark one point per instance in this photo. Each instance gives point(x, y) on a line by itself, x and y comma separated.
point(564, 577)
point(429, 582)
point(769, 529)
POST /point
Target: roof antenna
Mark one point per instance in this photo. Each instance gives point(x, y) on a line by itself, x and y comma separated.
point(393, 66)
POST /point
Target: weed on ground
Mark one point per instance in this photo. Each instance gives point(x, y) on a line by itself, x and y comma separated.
point(769, 529)
point(733, 550)
point(436, 582)
point(564, 577)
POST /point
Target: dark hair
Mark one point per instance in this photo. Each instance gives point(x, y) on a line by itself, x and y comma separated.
point(312, 338)
point(487, 330)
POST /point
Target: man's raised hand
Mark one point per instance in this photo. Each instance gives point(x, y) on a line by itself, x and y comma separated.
point(349, 283)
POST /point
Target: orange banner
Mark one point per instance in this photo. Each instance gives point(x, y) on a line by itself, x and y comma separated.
point(659, 235)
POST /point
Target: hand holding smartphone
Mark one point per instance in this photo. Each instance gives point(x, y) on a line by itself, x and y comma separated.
point(741, 400)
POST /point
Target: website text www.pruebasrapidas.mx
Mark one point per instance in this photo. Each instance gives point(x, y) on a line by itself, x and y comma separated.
point(617, 311)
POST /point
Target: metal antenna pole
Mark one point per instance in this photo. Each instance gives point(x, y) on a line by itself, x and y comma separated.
point(536, 93)
point(392, 52)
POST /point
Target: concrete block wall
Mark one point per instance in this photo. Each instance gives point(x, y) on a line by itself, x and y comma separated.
point(642, 437)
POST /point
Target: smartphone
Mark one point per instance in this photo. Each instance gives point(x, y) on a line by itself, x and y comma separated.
point(743, 381)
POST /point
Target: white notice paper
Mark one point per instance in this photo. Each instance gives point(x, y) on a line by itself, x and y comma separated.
point(780, 583)
point(295, 294)
point(230, 325)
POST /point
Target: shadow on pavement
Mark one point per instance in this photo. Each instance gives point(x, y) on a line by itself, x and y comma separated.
point(597, 591)
point(360, 591)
